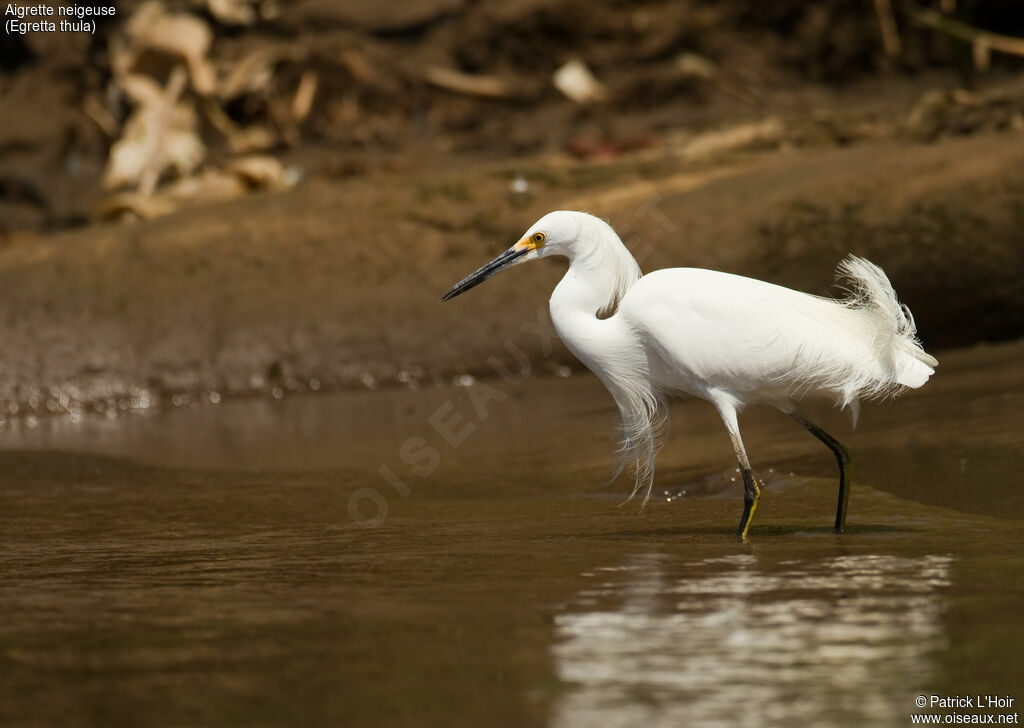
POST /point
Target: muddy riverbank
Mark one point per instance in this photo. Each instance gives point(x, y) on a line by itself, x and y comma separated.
point(335, 285)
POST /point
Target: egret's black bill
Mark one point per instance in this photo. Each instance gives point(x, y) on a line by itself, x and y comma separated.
point(479, 276)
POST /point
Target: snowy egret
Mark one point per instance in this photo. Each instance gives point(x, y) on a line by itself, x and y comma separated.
point(730, 340)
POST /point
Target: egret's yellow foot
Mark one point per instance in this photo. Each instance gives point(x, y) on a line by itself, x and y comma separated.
point(751, 497)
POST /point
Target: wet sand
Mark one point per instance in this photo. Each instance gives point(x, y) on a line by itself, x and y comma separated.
point(204, 566)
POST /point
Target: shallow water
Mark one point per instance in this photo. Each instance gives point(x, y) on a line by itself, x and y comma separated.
point(249, 563)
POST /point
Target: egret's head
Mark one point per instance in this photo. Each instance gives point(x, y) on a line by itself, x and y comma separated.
point(553, 234)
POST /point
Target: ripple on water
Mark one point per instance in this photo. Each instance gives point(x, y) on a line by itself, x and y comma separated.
point(839, 641)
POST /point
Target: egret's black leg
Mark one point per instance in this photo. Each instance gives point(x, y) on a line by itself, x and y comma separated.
point(751, 490)
point(751, 497)
point(842, 457)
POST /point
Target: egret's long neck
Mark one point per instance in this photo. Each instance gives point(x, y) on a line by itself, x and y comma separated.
point(601, 270)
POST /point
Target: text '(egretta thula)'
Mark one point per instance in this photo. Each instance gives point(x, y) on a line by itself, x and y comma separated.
point(730, 340)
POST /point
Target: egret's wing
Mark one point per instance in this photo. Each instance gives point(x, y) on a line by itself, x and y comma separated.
point(715, 329)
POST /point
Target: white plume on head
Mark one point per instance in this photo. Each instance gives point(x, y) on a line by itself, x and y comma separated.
point(591, 244)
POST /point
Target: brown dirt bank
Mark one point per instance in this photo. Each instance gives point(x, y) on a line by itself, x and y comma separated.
point(336, 284)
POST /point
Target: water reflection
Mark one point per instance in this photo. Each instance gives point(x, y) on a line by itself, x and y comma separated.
point(839, 641)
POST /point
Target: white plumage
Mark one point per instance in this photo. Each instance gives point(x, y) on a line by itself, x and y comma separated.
point(731, 340)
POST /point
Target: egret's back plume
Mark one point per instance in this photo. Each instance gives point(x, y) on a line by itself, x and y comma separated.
point(730, 340)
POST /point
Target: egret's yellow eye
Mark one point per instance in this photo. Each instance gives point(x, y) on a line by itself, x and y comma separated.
point(538, 239)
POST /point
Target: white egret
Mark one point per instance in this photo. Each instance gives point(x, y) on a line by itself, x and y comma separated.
point(730, 340)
